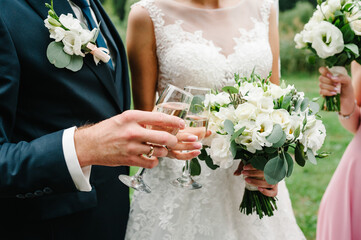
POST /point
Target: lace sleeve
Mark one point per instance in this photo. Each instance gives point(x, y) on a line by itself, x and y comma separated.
point(266, 9)
point(154, 12)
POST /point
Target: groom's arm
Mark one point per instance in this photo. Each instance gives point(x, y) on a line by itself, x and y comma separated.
point(25, 167)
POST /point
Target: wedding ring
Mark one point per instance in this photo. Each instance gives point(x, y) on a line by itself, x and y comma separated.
point(151, 151)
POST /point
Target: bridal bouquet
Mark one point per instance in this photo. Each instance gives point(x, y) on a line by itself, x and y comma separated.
point(72, 40)
point(334, 34)
point(259, 123)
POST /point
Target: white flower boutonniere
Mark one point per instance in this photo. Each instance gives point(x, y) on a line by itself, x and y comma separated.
point(72, 41)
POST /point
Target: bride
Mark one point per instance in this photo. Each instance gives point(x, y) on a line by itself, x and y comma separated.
point(201, 43)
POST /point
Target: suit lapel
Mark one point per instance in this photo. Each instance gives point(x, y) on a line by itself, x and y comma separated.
point(102, 71)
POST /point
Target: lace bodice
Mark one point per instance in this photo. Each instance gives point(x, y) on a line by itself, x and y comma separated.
point(202, 47)
point(205, 47)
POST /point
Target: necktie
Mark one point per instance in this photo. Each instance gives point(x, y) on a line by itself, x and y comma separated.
point(85, 8)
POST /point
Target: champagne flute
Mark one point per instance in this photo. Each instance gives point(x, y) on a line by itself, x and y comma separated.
point(173, 101)
point(197, 124)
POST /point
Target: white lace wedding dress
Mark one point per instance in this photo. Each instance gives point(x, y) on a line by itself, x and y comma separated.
point(205, 48)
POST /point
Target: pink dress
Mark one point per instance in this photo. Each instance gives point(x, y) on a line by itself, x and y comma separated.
point(339, 216)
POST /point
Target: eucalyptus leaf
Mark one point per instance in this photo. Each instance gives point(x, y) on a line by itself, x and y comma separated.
point(57, 56)
point(229, 127)
point(237, 133)
point(194, 167)
point(258, 162)
point(276, 134)
point(269, 150)
point(354, 49)
point(197, 104)
point(300, 155)
point(304, 104)
point(230, 89)
point(76, 63)
point(286, 102)
point(298, 104)
point(281, 141)
point(311, 157)
point(290, 164)
point(275, 170)
point(314, 107)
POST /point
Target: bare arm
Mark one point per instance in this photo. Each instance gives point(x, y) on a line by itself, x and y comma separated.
point(142, 56)
point(275, 47)
point(348, 107)
point(356, 81)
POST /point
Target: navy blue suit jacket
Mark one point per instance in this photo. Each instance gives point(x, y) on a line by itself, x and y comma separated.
point(38, 199)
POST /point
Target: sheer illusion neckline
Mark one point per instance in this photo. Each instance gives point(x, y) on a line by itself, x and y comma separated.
point(209, 9)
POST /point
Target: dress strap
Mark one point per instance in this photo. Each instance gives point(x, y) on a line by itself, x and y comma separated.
point(266, 10)
point(154, 11)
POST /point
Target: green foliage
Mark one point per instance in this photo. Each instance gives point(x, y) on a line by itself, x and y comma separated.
point(275, 170)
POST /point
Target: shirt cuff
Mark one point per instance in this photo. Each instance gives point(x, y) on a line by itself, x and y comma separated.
point(79, 175)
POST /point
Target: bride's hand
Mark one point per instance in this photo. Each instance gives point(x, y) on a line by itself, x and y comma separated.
point(188, 142)
point(256, 178)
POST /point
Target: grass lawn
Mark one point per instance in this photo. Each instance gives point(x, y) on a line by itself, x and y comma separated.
point(307, 185)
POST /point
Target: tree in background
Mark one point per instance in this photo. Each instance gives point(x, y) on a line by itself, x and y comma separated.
point(118, 7)
point(289, 4)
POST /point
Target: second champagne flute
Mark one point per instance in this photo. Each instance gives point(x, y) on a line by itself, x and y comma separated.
point(197, 124)
point(173, 101)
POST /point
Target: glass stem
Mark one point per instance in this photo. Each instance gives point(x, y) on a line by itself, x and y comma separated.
point(187, 170)
point(140, 172)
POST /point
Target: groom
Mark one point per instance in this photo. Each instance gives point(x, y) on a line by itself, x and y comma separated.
point(45, 162)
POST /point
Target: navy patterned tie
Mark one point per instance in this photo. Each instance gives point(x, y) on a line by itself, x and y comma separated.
point(85, 8)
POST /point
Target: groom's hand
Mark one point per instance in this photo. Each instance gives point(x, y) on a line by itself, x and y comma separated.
point(122, 139)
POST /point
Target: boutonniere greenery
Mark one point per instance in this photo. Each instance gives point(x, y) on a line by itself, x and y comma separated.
point(72, 40)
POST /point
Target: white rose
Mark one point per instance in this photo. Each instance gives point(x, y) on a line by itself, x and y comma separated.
point(220, 151)
point(300, 43)
point(222, 98)
point(226, 113)
point(327, 40)
point(254, 94)
point(355, 20)
point(313, 138)
point(265, 104)
point(281, 117)
point(245, 88)
point(245, 111)
point(276, 91)
point(70, 22)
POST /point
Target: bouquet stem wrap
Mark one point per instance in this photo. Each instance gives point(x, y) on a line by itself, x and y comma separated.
point(333, 103)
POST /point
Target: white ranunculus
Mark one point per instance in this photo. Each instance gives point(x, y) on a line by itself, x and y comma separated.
point(314, 137)
point(355, 20)
point(220, 151)
point(70, 22)
point(281, 117)
point(327, 40)
point(245, 111)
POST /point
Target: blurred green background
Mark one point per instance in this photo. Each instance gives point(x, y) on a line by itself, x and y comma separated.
point(307, 185)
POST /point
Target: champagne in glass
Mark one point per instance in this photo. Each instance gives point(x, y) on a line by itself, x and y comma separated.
point(196, 124)
point(173, 101)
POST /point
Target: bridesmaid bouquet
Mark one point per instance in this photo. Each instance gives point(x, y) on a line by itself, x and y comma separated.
point(260, 122)
point(334, 34)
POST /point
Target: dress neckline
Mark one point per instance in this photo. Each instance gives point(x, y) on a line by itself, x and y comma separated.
point(209, 9)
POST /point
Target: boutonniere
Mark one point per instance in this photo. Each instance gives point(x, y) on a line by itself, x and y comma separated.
point(72, 40)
